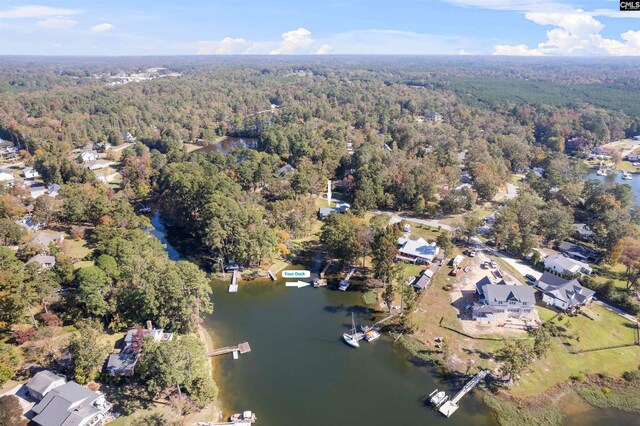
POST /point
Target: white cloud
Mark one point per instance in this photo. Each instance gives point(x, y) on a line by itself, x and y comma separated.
point(100, 28)
point(324, 49)
point(56, 22)
point(34, 12)
point(294, 41)
point(575, 33)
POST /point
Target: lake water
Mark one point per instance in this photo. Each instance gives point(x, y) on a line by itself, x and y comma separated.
point(300, 372)
point(228, 143)
point(617, 177)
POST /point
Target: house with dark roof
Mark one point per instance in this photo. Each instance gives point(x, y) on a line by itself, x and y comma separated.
point(503, 300)
point(285, 170)
point(424, 280)
point(579, 252)
point(124, 362)
point(567, 295)
point(71, 404)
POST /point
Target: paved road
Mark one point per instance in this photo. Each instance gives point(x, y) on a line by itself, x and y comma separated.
point(395, 218)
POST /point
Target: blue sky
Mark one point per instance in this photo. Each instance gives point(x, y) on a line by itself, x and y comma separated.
point(188, 27)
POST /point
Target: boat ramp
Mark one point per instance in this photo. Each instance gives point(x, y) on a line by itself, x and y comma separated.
point(449, 407)
point(242, 348)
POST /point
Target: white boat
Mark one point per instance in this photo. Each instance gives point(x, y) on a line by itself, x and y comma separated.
point(245, 417)
point(437, 398)
point(351, 339)
point(602, 172)
point(626, 176)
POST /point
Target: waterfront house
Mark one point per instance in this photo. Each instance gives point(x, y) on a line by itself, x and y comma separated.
point(71, 404)
point(502, 300)
point(89, 155)
point(30, 173)
point(566, 266)
point(43, 382)
point(123, 362)
point(45, 261)
point(416, 251)
point(6, 176)
point(567, 295)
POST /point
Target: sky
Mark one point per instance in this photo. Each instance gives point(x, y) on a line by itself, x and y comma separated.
point(312, 27)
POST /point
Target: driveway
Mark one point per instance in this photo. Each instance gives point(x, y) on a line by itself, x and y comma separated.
point(517, 264)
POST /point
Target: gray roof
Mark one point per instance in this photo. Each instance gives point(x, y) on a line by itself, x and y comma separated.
point(61, 406)
point(123, 362)
point(549, 279)
point(502, 292)
point(570, 292)
point(42, 380)
point(326, 211)
point(418, 248)
point(43, 259)
point(423, 282)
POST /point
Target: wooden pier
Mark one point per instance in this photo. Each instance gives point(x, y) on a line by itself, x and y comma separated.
point(324, 270)
point(240, 349)
point(271, 275)
point(233, 288)
point(450, 407)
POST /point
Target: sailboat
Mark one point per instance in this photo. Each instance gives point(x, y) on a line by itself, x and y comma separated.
point(352, 339)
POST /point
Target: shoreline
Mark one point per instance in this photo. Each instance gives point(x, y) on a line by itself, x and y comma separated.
point(212, 411)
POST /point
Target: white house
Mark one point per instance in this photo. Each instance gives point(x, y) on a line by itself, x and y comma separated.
point(563, 265)
point(90, 155)
point(30, 173)
point(502, 300)
point(6, 176)
point(417, 251)
point(566, 295)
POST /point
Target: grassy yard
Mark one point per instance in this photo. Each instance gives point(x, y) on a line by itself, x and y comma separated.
point(427, 232)
point(560, 365)
point(75, 249)
point(604, 272)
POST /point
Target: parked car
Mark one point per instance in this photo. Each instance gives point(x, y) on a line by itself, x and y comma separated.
point(494, 265)
point(530, 278)
point(472, 253)
point(231, 266)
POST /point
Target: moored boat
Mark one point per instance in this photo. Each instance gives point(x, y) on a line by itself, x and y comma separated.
point(626, 176)
point(437, 397)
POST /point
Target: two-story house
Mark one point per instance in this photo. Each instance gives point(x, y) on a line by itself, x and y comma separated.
point(502, 300)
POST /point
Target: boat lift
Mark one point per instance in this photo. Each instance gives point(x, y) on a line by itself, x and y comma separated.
point(449, 407)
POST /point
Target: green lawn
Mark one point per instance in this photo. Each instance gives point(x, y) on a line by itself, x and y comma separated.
point(560, 365)
point(510, 269)
point(75, 249)
point(83, 264)
point(429, 233)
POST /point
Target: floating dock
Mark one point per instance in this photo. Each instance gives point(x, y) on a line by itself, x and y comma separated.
point(238, 350)
point(450, 406)
point(233, 288)
point(344, 284)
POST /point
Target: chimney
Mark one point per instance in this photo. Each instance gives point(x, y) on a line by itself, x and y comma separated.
point(149, 326)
